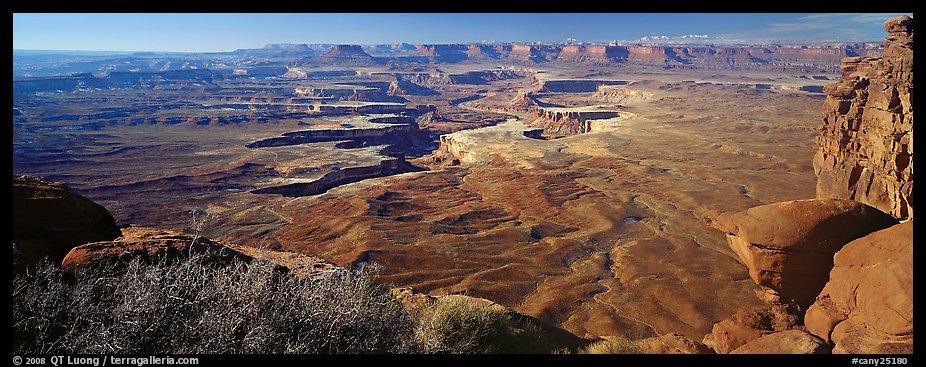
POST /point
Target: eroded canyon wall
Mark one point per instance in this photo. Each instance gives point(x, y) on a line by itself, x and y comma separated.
point(866, 141)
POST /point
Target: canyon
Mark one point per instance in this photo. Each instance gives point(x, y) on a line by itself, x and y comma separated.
point(691, 198)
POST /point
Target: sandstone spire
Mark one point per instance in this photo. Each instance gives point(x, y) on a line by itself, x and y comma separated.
point(866, 142)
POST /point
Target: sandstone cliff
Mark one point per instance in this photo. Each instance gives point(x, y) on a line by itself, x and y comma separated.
point(49, 219)
point(788, 247)
point(867, 306)
point(850, 259)
point(866, 141)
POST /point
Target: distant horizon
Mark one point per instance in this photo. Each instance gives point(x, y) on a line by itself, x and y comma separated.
point(107, 52)
point(219, 33)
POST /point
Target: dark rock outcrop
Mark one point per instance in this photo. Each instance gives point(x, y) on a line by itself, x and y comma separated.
point(866, 142)
point(49, 219)
point(867, 305)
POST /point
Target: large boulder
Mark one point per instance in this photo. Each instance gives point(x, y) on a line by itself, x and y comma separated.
point(785, 342)
point(672, 344)
point(867, 305)
point(152, 244)
point(866, 140)
point(749, 324)
point(49, 219)
point(789, 246)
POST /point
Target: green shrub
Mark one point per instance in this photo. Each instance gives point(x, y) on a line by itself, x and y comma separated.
point(189, 307)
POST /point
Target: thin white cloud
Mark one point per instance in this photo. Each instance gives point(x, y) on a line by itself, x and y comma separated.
point(798, 27)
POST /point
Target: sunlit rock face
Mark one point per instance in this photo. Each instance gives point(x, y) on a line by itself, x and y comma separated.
point(866, 142)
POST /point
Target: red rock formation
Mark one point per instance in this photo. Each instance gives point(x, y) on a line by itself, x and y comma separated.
point(785, 342)
point(672, 344)
point(789, 246)
point(867, 306)
point(49, 219)
point(149, 244)
point(403, 87)
point(618, 94)
point(563, 121)
point(593, 53)
point(647, 54)
point(866, 142)
point(734, 56)
point(750, 324)
point(526, 53)
point(480, 51)
point(524, 101)
point(820, 54)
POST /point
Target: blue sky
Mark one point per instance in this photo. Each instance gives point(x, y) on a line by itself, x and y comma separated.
point(226, 32)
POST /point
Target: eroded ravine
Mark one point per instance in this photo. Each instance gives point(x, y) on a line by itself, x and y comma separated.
point(539, 225)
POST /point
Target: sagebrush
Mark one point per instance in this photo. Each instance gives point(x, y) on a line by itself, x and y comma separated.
point(462, 325)
point(188, 306)
point(612, 346)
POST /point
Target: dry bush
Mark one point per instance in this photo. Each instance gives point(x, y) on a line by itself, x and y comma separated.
point(465, 326)
point(612, 346)
point(187, 306)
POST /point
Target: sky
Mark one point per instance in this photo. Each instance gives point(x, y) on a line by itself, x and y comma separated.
point(229, 31)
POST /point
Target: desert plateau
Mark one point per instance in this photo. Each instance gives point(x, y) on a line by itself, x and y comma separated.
point(679, 198)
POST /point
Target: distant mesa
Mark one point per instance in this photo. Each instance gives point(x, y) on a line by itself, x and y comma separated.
point(344, 51)
point(593, 53)
point(345, 55)
point(532, 53)
point(404, 56)
point(390, 50)
point(443, 53)
point(478, 51)
point(281, 50)
point(403, 87)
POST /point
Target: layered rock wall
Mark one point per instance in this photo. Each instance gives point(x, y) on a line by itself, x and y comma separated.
point(850, 259)
point(866, 142)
